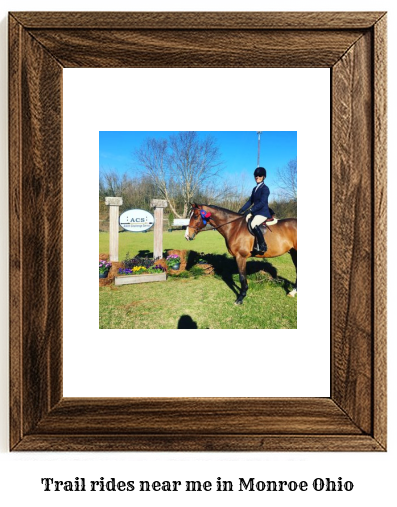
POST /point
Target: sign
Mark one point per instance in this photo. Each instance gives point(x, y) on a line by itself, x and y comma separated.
point(136, 220)
point(181, 222)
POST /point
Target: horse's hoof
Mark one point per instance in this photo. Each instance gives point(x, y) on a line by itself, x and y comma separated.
point(292, 294)
point(238, 301)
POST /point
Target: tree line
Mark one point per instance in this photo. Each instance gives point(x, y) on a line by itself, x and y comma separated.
point(185, 169)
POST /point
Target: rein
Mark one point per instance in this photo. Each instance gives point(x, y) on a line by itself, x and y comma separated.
point(219, 226)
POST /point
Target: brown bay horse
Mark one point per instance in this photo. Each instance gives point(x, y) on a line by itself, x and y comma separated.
point(280, 239)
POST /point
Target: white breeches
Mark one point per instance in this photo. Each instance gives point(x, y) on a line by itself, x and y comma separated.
point(257, 220)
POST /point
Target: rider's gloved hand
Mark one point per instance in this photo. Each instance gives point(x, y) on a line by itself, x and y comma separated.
point(248, 217)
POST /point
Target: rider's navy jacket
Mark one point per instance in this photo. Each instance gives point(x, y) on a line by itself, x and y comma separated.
point(259, 200)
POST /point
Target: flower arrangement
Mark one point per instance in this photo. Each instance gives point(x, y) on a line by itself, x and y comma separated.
point(104, 267)
point(140, 270)
point(138, 262)
point(139, 266)
point(173, 261)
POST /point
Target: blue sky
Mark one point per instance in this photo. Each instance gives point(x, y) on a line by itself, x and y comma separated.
point(239, 150)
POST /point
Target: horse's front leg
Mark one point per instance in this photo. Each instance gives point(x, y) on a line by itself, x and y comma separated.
point(242, 271)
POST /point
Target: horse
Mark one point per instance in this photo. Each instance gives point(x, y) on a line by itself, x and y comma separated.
point(280, 238)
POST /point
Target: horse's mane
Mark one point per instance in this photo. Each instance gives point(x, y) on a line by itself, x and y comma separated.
point(225, 210)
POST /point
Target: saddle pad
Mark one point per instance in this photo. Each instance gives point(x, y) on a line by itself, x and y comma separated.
point(262, 226)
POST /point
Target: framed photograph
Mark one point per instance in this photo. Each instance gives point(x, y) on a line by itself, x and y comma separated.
point(353, 47)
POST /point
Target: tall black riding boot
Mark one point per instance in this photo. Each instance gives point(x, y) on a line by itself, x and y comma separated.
point(262, 247)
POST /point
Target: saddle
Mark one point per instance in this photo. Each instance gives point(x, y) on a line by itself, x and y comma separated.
point(264, 225)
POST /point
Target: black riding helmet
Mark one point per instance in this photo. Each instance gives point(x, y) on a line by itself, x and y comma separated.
point(260, 171)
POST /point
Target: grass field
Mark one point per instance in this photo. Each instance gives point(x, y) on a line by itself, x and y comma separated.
point(207, 302)
point(208, 242)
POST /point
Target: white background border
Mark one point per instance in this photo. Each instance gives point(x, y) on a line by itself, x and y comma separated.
point(204, 362)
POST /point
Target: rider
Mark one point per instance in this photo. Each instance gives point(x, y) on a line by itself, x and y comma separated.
point(260, 207)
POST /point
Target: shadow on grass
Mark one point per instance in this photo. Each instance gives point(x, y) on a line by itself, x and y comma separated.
point(226, 268)
point(186, 322)
point(145, 253)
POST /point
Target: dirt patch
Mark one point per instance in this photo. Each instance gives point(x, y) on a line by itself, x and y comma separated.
point(132, 304)
point(208, 269)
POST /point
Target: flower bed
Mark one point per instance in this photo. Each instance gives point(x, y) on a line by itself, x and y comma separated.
point(140, 270)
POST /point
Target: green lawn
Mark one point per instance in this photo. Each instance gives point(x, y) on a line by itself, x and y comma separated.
point(207, 300)
point(210, 242)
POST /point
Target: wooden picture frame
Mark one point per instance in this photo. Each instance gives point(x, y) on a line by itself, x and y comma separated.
point(353, 46)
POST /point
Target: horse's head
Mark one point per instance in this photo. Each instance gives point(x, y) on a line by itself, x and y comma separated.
point(198, 220)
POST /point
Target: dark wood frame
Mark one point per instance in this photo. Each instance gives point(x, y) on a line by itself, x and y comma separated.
point(353, 46)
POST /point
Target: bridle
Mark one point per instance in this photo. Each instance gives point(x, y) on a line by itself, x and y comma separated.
point(208, 215)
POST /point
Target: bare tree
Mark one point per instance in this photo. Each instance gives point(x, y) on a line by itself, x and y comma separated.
point(193, 163)
point(153, 156)
point(288, 184)
point(136, 192)
point(111, 183)
point(181, 168)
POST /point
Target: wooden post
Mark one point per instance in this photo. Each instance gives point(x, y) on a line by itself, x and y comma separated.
point(114, 203)
point(158, 205)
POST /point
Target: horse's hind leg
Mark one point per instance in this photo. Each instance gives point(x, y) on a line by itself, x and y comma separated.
point(294, 257)
point(242, 270)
